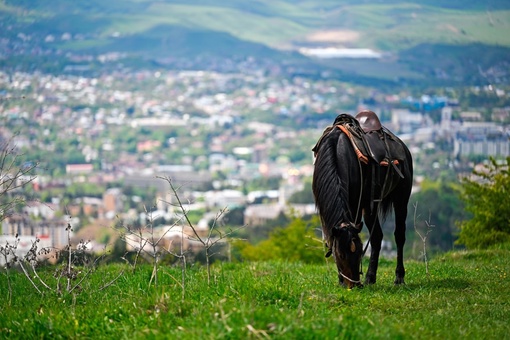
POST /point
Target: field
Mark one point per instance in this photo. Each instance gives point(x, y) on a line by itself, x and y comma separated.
point(464, 295)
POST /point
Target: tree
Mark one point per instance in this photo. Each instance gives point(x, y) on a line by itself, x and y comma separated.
point(298, 241)
point(485, 195)
point(438, 202)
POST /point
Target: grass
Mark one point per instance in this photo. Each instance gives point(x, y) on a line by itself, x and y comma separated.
point(385, 70)
point(466, 295)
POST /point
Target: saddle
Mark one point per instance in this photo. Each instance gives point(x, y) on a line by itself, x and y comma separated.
point(373, 143)
point(369, 138)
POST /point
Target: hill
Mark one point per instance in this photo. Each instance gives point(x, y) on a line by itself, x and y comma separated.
point(164, 30)
point(465, 295)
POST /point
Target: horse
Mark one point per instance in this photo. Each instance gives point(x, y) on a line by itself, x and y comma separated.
point(361, 170)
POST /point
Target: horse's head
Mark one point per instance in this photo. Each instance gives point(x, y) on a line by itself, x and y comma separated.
point(348, 249)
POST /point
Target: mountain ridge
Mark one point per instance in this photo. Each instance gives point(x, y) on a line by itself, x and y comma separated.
point(265, 29)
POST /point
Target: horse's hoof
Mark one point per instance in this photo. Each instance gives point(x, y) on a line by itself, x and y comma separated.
point(370, 280)
point(399, 281)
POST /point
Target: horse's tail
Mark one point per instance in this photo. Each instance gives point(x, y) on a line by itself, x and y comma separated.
point(406, 168)
point(328, 186)
point(384, 208)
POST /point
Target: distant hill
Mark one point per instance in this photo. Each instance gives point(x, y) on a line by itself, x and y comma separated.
point(268, 29)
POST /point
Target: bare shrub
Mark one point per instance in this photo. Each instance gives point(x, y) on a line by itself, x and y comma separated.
point(69, 275)
point(423, 236)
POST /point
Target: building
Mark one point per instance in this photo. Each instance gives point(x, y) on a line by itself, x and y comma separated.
point(112, 200)
point(259, 214)
point(23, 233)
point(479, 138)
point(79, 168)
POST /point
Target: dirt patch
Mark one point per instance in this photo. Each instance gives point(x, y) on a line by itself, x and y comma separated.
point(333, 36)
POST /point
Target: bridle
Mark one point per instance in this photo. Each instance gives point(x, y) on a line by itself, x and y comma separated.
point(358, 227)
point(347, 224)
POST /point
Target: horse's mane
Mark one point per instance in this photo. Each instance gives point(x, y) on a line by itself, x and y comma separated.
point(331, 196)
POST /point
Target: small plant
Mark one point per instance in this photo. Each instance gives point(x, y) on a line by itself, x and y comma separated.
point(423, 237)
point(8, 253)
point(213, 237)
point(147, 243)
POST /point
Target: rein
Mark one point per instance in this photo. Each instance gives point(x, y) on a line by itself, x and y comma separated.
point(349, 279)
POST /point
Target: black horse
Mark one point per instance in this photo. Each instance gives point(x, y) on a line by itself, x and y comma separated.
point(361, 170)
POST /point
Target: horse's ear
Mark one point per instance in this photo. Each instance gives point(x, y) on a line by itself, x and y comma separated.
point(353, 246)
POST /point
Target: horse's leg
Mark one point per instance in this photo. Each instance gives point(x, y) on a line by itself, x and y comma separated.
point(400, 239)
point(376, 236)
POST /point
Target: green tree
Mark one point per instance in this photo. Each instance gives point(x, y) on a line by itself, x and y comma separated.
point(439, 204)
point(486, 195)
point(298, 241)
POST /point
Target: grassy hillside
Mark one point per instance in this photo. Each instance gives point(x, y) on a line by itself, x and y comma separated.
point(151, 31)
point(465, 295)
point(393, 25)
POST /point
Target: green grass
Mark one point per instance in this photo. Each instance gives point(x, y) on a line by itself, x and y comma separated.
point(466, 296)
point(385, 70)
